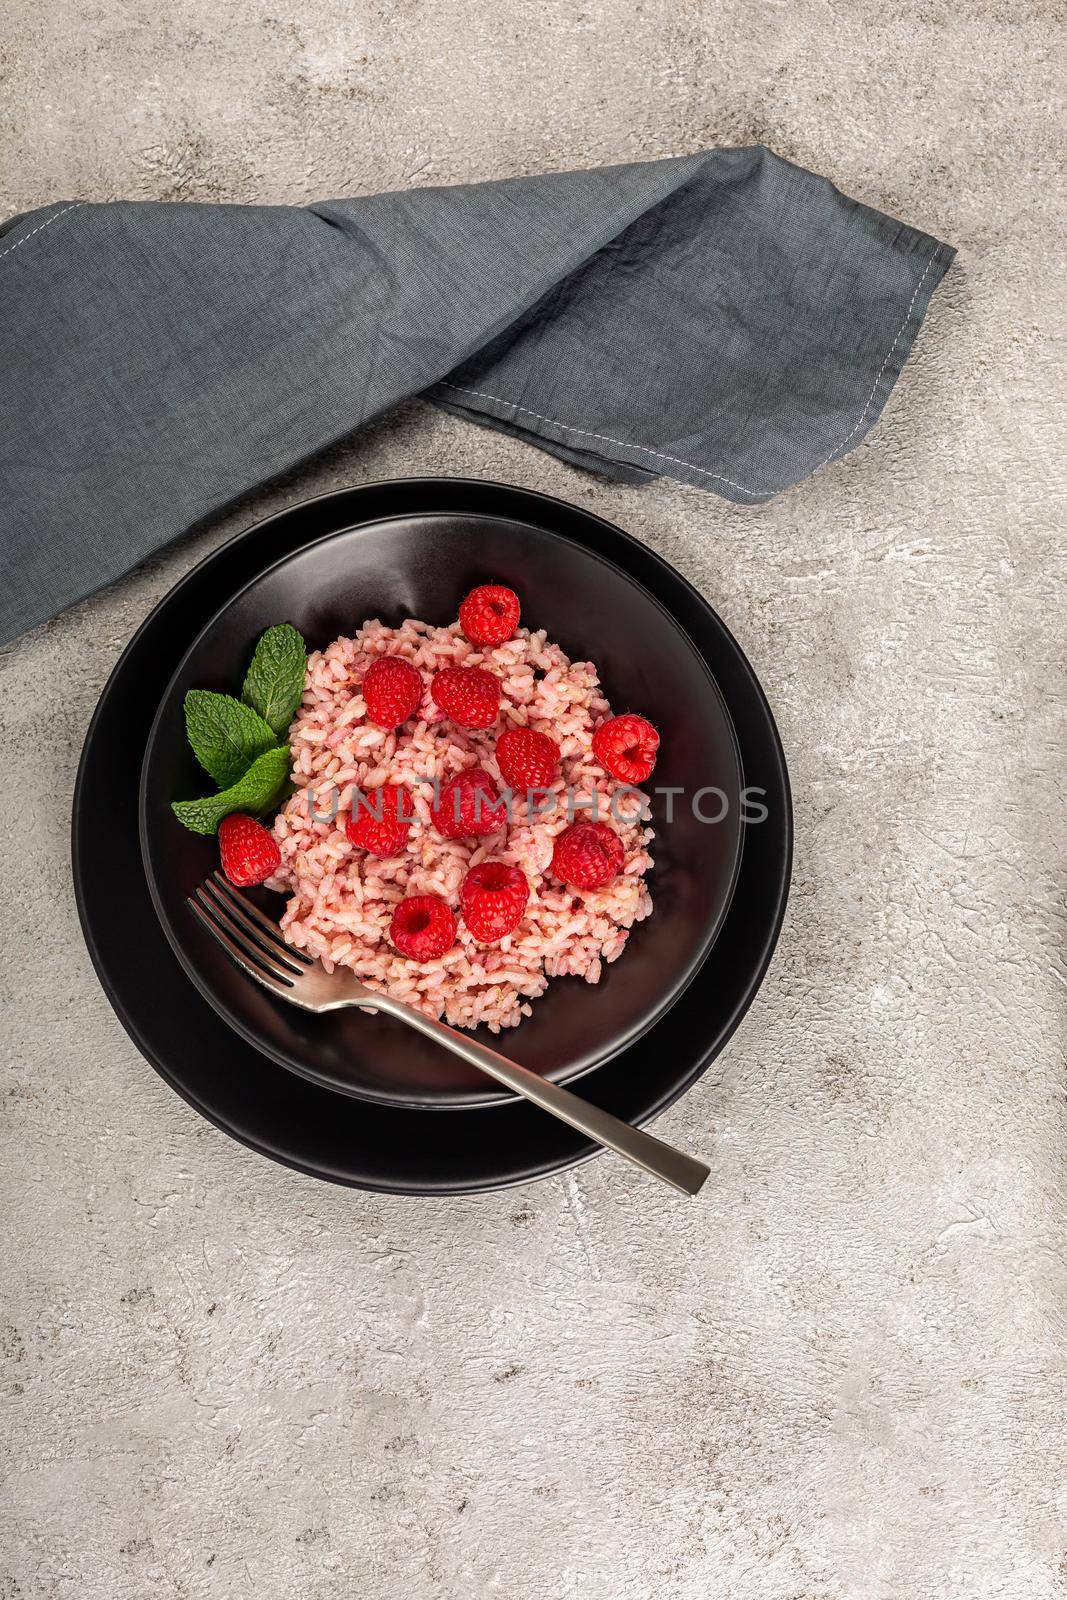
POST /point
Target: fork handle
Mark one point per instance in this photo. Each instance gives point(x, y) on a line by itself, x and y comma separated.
point(662, 1160)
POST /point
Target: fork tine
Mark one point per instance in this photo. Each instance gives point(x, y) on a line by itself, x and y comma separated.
point(226, 891)
point(237, 946)
point(234, 912)
point(275, 985)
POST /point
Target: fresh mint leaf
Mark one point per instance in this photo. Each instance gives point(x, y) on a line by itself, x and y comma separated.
point(260, 789)
point(274, 683)
point(225, 734)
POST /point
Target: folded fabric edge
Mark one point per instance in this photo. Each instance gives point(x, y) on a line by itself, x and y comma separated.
point(938, 262)
point(9, 224)
point(638, 462)
point(588, 460)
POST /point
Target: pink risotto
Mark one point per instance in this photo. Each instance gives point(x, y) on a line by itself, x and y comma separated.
point(342, 899)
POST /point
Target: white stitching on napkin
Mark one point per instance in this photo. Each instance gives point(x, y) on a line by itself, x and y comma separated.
point(567, 427)
point(644, 449)
point(41, 227)
point(885, 363)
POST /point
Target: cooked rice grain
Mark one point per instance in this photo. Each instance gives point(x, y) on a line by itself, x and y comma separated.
point(342, 899)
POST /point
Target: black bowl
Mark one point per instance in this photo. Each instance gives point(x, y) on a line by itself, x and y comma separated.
point(422, 566)
point(287, 1118)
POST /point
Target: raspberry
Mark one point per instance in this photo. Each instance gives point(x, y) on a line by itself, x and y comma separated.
point(392, 689)
point(527, 760)
point(490, 614)
point(470, 806)
point(627, 747)
point(423, 927)
point(587, 855)
point(492, 900)
point(380, 819)
point(469, 695)
point(249, 851)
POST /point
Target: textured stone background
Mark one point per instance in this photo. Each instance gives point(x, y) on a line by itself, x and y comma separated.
point(839, 1375)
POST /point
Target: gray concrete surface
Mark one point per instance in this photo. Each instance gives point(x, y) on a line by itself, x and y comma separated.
point(840, 1374)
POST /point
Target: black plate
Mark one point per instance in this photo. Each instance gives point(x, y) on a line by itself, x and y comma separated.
point(422, 566)
point(285, 1116)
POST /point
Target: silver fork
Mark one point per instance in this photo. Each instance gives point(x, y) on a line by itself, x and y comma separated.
point(256, 944)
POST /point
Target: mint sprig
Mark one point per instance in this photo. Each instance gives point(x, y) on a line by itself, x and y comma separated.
point(225, 734)
point(259, 789)
point(274, 683)
point(237, 741)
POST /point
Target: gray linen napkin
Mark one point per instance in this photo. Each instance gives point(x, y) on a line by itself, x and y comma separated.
point(725, 318)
